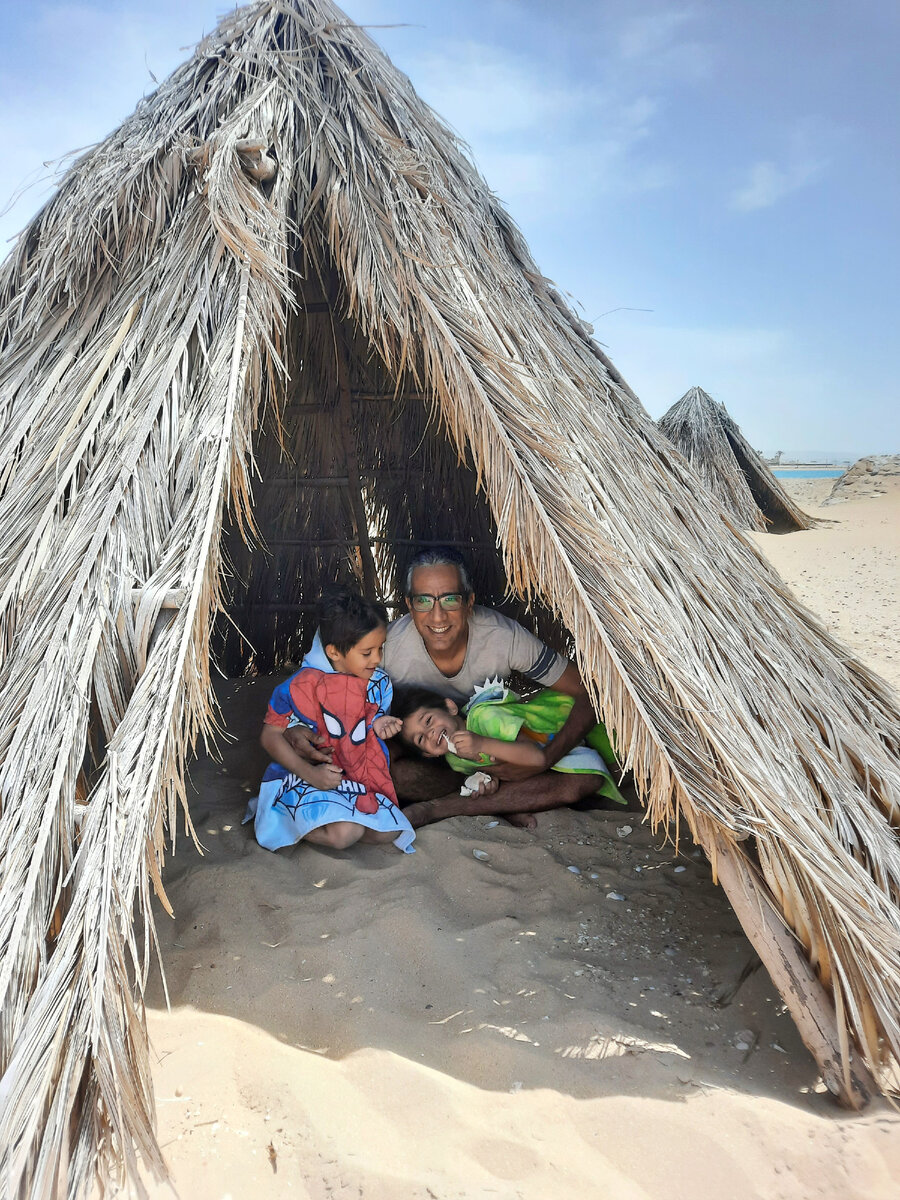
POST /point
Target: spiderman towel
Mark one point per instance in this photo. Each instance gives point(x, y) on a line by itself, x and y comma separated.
point(341, 708)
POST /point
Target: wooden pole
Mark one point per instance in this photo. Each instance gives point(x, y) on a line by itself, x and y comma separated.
point(351, 459)
point(294, 606)
point(341, 481)
point(314, 408)
point(383, 541)
point(848, 1080)
point(172, 599)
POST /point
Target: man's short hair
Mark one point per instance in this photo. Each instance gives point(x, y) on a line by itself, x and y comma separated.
point(439, 556)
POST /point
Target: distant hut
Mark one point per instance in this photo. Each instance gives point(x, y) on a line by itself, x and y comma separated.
point(729, 466)
point(271, 331)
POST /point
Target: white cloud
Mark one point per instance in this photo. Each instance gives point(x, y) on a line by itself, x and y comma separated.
point(804, 160)
point(767, 183)
point(548, 143)
point(667, 360)
point(779, 394)
point(652, 32)
point(655, 44)
point(483, 90)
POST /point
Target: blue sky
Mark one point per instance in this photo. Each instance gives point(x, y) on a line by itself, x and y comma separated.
point(715, 184)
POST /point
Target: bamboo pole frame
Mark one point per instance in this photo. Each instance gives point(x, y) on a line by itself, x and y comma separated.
point(354, 479)
point(843, 1071)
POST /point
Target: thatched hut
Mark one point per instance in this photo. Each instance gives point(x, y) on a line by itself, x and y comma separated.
point(272, 329)
point(729, 466)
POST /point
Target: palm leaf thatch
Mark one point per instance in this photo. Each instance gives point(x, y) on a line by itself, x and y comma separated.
point(729, 466)
point(280, 307)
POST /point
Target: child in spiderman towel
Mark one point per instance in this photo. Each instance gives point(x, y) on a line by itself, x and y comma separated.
point(342, 694)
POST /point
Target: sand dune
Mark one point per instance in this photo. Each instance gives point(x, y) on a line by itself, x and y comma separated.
point(400, 1027)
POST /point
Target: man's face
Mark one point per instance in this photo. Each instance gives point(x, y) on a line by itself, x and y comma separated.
point(442, 630)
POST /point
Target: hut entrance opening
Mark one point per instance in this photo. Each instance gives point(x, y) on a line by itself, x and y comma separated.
point(778, 518)
point(355, 473)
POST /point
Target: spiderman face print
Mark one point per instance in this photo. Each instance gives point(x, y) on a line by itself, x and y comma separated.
point(339, 709)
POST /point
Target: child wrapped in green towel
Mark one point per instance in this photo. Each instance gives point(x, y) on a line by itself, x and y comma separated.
point(497, 726)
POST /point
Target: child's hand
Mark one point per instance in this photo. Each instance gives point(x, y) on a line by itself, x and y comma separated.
point(469, 745)
point(387, 726)
point(324, 777)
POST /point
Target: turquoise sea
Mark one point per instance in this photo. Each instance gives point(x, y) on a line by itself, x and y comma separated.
point(826, 473)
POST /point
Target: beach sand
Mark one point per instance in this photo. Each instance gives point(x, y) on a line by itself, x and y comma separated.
point(404, 1027)
point(847, 569)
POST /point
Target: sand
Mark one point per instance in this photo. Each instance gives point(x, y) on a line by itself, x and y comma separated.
point(847, 569)
point(403, 1027)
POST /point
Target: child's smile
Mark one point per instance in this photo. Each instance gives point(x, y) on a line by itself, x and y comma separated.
point(428, 729)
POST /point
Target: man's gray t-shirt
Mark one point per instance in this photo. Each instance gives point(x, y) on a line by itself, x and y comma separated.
point(497, 646)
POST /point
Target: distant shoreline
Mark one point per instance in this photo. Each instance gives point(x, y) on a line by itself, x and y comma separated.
point(816, 472)
point(790, 464)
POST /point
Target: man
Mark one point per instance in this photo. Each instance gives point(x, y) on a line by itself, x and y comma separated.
point(449, 644)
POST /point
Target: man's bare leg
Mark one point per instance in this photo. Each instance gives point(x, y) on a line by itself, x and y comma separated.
point(419, 779)
point(538, 794)
point(422, 778)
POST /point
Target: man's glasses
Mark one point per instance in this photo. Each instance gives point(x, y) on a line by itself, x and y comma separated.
point(424, 602)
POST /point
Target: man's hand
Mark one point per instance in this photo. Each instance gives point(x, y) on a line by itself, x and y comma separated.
point(486, 787)
point(307, 744)
point(325, 777)
point(387, 726)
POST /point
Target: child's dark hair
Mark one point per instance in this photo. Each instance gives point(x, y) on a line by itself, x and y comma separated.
point(345, 617)
point(407, 699)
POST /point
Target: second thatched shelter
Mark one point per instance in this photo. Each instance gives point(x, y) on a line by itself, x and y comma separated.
point(729, 466)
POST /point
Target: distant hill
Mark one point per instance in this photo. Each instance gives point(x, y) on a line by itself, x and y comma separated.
point(867, 477)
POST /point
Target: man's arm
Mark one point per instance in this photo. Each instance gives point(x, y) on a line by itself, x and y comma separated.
point(581, 719)
point(323, 776)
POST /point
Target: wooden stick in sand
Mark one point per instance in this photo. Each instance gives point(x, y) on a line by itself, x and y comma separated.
point(843, 1071)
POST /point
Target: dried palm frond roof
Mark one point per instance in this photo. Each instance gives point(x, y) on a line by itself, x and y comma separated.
point(287, 178)
point(729, 466)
